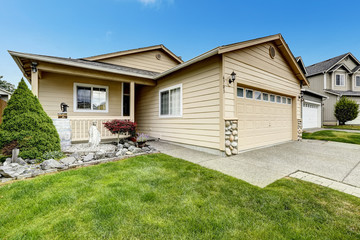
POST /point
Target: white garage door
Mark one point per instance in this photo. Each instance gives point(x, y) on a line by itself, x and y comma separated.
point(311, 115)
point(263, 120)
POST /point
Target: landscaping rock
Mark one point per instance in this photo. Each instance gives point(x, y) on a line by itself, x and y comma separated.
point(129, 153)
point(76, 155)
point(111, 154)
point(20, 161)
point(7, 162)
point(122, 152)
point(136, 150)
point(89, 157)
point(131, 143)
point(31, 161)
point(51, 163)
point(146, 149)
point(67, 161)
point(131, 148)
point(126, 145)
point(100, 155)
point(12, 170)
point(120, 146)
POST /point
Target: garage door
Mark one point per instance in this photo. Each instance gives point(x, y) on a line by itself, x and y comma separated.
point(264, 118)
point(311, 115)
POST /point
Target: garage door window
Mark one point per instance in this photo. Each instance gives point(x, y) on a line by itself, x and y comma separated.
point(265, 97)
point(240, 92)
point(249, 94)
point(289, 100)
point(284, 100)
point(278, 99)
point(272, 98)
point(257, 95)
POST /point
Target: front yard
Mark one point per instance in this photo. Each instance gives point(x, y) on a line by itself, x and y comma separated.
point(337, 136)
point(160, 197)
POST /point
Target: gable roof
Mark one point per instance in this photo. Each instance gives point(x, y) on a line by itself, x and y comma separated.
point(357, 68)
point(132, 51)
point(328, 64)
point(300, 61)
point(105, 67)
point(280, 42)
point(337, 66)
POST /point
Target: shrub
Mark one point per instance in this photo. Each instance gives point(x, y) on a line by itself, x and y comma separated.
point(121, 127)
point(346, 110)
point(25, 122)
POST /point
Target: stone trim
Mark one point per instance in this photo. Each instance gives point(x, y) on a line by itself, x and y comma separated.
point(231, 137)
point(299, 129)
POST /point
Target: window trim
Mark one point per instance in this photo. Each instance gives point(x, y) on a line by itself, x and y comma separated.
point(274, 98)
point(268, 97)
point(282, 100)
point(243, 92)
point(91, 86)
point(357, 76)
point(252, 97)
point(340, 74)
point(289, 102)
point(181, 101)
point(255, 97)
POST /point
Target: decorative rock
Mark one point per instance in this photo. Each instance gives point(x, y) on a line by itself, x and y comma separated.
point(234, 126)
point(231, 138)
point(131, 148)
point(20, 161)
point(30, 161)
point(234, 144)
point(100, 155)
point(234, 132)
point(227, 143)
point(227, 123)
point(236, 138)
point(136, 150)
point(12, 170)
point(227, 137)
point(228, 151)
point(76, 155)
point(67, 161)
point(234, 151)
point(126, 145)
point(49, 164)
point(146, 149)
point(7, 162)
point(89, 157)
point(131, 143)
point(110, 154)
point(227, 133)
point(120, 146)
point(129, 153)
point(80, 161)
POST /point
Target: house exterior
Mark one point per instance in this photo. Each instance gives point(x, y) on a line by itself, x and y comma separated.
point(335, 77)
point(4, 95)
point(232, 98)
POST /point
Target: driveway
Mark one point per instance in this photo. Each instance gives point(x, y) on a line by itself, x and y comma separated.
point(331, 160)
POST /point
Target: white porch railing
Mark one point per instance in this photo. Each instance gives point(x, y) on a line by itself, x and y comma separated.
point(80, 127)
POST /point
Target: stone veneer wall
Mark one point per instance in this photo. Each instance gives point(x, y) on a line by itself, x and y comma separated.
point(231, 137)
point(299, 130)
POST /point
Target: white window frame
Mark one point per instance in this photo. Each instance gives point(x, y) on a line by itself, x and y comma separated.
point(289, 102)
point(274, 98)
point(268, 97)
point(282, 100)
point(91, 86)
point(255, 97)
point(357, 76)
point(181, 101)
point(243, 92)
point(247, 89)
point(340, 74)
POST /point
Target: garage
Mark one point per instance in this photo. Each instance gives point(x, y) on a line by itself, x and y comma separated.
point(311, 115)
point(264, 118)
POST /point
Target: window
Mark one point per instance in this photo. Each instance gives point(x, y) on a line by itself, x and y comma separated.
point(357, 81)
point(90, 98)
point(240, 92)
point(257, 95)
point(284, 100)
point(249, 93)
point(170, 101)
point(272, 98)
point(289, 101)
point(126, 99)
point(278, 99)
point(340, 79)
point(265, 97)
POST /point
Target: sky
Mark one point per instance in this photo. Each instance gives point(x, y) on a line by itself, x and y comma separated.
point(317, 30)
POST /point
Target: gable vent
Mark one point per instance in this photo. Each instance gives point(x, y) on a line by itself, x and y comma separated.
point(272, 51)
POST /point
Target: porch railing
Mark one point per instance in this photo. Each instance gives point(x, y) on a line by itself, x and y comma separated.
point(80, 127)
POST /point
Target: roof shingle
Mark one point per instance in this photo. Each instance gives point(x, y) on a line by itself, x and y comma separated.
point(323, 66)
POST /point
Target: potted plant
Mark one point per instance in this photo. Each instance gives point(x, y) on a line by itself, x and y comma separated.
point(141, 139)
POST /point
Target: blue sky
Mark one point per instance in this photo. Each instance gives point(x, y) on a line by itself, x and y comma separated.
point(316, 30)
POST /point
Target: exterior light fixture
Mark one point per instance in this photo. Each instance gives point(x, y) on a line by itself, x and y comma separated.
point(232, 77)
point(34, 67)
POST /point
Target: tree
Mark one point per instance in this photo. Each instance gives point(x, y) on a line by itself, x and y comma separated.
point(346, 110)
point(121, 127)
point(6, 85)
point(27, 126)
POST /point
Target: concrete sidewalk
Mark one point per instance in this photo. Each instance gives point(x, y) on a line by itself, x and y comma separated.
point(312, 130)
point(338, 162)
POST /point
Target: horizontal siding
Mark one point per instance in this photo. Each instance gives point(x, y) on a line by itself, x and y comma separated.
point(145, 60)
point(57, 88)
point(199, 124)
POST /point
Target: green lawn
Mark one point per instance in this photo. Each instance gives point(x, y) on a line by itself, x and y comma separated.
point(160, 197)
point(346, 127)
point(337, 136)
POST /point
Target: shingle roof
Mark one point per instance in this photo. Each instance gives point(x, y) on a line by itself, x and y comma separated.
point(324, 65)
point(344, 93)
point(356, 68)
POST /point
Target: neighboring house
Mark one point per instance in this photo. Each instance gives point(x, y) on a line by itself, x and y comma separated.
point(336, 77)
point(191, 103)
point(312, 105)
point(4, 95)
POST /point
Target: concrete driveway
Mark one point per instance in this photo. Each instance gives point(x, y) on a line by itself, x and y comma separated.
point(330, 160)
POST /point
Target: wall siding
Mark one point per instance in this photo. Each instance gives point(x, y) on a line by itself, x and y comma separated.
point(199, 124)
point(144, 60)
point(57, 88)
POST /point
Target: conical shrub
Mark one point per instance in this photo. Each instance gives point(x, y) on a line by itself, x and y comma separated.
point(26, 124)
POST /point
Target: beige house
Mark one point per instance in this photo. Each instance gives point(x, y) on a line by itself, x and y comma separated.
point(229, 99)
point(336, 77)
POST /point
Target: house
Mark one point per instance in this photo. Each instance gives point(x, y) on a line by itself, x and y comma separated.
point(232, 98)
point(4, 95)
point(312, 104)
point(335, 77)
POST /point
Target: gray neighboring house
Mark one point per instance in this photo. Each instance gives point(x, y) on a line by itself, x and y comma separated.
point(4, 95)
point(312, 105)
point(333, 78)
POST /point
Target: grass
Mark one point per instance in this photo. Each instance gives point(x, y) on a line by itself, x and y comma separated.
point(337, 136)
point(160, 197)
point(345, 127)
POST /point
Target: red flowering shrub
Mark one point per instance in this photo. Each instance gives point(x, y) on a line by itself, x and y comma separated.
point(121, 127)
